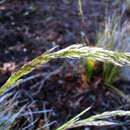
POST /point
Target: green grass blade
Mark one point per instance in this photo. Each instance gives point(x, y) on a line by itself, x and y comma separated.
point(90, 64)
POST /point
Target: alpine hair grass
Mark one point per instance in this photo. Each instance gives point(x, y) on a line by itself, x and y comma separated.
point(73, 51)
point(95, 120)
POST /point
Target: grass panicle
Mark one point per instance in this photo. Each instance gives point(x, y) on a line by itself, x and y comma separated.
point(95, 120)
point(73, 51)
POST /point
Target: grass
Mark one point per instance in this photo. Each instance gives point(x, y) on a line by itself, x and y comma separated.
point(112, 61)
point(108, 40)
point(114, 38)
point(73, 51)
point(95, 120)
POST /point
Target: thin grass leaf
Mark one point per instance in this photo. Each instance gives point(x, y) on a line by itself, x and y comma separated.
point(90, 64)
point(73, 120)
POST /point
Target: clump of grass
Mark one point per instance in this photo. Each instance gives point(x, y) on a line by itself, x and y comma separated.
point(11, 113)
point(8, 114)
point(111, 39)
point(110, 71)
point(75, 51)
point(115, 37)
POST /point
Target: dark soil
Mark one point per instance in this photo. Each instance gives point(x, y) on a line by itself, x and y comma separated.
point(29, 28)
